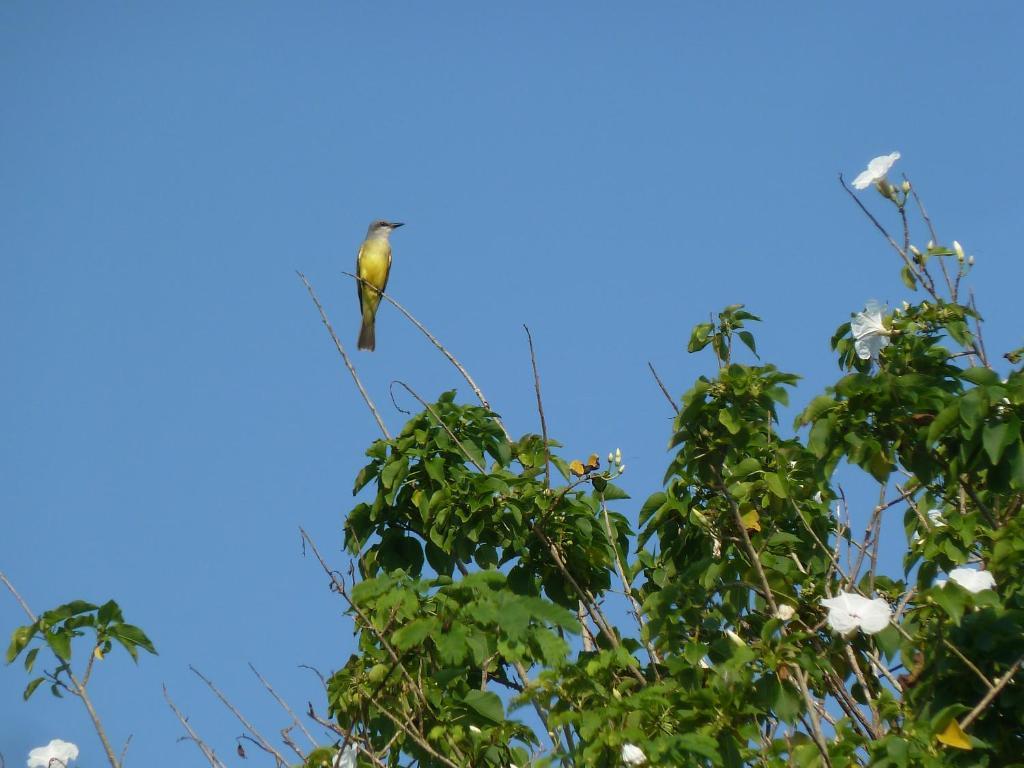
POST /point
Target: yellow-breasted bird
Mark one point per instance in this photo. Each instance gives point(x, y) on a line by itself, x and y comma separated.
point(373, 265)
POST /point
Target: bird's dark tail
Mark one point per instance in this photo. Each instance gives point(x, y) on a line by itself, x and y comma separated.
point(367, 337)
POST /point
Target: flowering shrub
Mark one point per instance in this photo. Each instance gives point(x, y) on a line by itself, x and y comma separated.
point(511, 615)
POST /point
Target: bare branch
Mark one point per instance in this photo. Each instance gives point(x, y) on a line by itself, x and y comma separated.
point(345, 358)
point(540, 410)
point(284, 706)
point(664, 390)
point(207, 751)
point(441, 423)
point(258, 738)
point(987, 699)
point(441, 348)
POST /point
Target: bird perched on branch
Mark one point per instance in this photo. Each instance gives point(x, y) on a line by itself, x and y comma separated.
point(373, 266)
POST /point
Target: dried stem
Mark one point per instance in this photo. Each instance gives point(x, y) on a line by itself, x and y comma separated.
point(257, 737)
point(208, 753)
point(284, 705)
point(628, 589)
point(540, 410)
point(441, 423)
point(987, 699)
point(441, 348)
point(664, 389)
point(344, 356)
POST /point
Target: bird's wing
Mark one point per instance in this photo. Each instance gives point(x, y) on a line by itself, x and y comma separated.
point(359, 285)
point(387, 274)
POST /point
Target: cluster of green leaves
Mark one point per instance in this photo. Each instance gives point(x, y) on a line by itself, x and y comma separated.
point(728, 570)
point(57, 628)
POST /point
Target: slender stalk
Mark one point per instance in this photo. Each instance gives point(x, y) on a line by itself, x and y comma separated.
point(440, 347)
point(344, 356)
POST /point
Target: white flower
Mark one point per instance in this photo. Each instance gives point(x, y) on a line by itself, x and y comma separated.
point(785, 612)
point(972, 580)
point(935, 517)
point(876, 171)
point(63, 752)
point(346, 758)
point(848, 612)
point(633, 755)
point(474, 729)
point(869, 333)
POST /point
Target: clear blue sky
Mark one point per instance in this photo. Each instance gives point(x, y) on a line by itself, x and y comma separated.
point(609, 173)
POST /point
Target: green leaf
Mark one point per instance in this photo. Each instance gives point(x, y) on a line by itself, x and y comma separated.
point(31, 687)
point(729, 421)
point(817, 441)
point(981, 376)
point(30, 659)
point(907, 276)
point(612, 492)
point(700, 337)
point(950, 598)
point(943, 421)
point(60, 643)
point(994, 439)
point(972, 408)
point(652, 505)
point(413, 633)
point(19, 639)
point(486, 704)
point(777, 484)
point(748, 338)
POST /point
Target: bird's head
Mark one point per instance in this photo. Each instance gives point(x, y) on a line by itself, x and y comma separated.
point(382, 229)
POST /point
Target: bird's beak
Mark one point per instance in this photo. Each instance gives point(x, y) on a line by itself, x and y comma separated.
point(396, 224)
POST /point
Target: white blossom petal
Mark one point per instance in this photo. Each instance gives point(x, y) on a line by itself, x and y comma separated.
point(785, 612)
point(876, 170)
point(633, 755)
point(346, 758)
point(972, 580)
point(62, 751)
point(848, 612)
point(935, 517)
point(870, 335)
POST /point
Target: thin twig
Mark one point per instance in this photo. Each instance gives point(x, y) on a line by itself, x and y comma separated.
point(926, 282)
point(262, 742)
point(124, 749)
point(540, 409)
point(345, 358)
point(283, 703)
point(628, 589)
point(441, 423)
point(208, 753)
point(1001, 683)
point(664, 389)
point(441, 348)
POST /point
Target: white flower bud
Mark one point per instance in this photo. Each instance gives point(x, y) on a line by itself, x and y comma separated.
point(618, 456)
point(785, 612)
point(970, 261)
point(905, 186)
point(959, 250)
point(915, 250)
point(622, 468)
point(611, 457)
point(734, 637)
